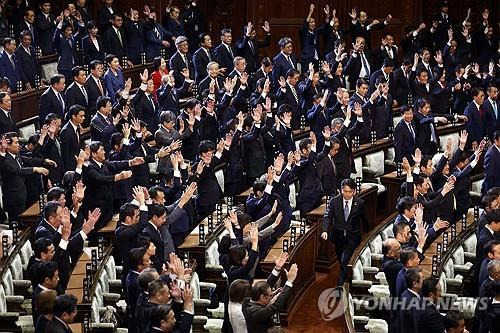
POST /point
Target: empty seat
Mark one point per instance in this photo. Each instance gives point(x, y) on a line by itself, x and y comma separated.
point(366, 260)
point(452, 279)
point(459, 260)
point(358, 276)
point(26, 252)
point(387, 232)
point(470, 244)
point(389, 157)
point(27, 131)
point(377, 326)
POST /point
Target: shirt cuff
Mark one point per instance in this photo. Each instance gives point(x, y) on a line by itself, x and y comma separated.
point(327, 143)
point(126, 141)
point(78, 171)
point(243, 87)
point(288, 283)
point(275, 272)
point(419, 249)
point(257, 125)
point(360, 119)
point(189, 312)
point(416, 171)
point(177, 173)
point(73, 213)
point(268, 189)
point(473, 163)
point(347, 122)
point(197, 118)
point(143, 86)
point(218, 155)
point(409, 179)
point(63, 244)
point(84, 235)
point(144, 208)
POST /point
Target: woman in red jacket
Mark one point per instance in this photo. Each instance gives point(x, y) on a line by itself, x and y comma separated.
point(160, 66)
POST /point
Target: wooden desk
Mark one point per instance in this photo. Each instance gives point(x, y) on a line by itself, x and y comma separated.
point(368, 148)
point(393, 185)
point(303, 254)
point(326, 254)
point(31, 216)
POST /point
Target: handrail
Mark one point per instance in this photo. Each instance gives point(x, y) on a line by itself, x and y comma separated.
point(5, 261)
point(100, 268)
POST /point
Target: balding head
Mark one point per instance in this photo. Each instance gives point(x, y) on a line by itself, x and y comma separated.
point(494, 269)
point(391, 248)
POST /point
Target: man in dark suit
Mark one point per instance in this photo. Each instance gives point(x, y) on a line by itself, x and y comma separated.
point(92, 44)
point(202, 57)
point(492, 250)
point(44, 25)
point(491, 109)
point(27, 59)
point(411, 299)
point(28, 24)
point(404, 136)
point(64, 314)
point(311, 189)
point(70, 137)
point(134, 32)
point(94, 85)
point(52, 100)
point(132, 219)
point(441, 23)
point(359, 26)
point(387, 50)
point(343, 219)
point(101, 177)
point(163, 317)
point(152, 230)
point(157, 38)
point(10, 66)
point(248, 47)
point(475, 117)
point(65, 39)
point(430, 320)
point(263, 72)
point(283, 61)
point(360, 64)
point(492, 164)
point(288, 94)
point(257, 310)
point(403, 78)
point(391, 264)
point(426, 137)
point(280, 135)
point(77, 92)
point(102, 126)
point(181, 61)
point(105, 15)
point(7, 123)
point(213, 70)
point(13, 168)
point(139, 260)
point(47, 278)
point(146, 108)
point(224, 52)
point(490, 232)
point(51, 148)
point(115, 41)
point(386, 72)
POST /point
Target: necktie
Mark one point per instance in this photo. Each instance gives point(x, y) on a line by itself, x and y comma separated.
point(12, 61)
point(250, 43)
point(389, 52)
point(290, 60)
point(58, 145)
point(84, 92)
point(208, 55)
point(119, 37)
point(184, 58)
point(77, 132)
point(333, 166)
point(151, 101)
point(230, 51)
point(346, 210)
point(411, 131)
point(495, 110)
point(481, 113)
point(10, 116)
point(433, 133)
point(157, 33)
point(292, 88)
point(99, 85)
point(60, 101)
point(364, 62)
point(18, 160)
point(430, 71)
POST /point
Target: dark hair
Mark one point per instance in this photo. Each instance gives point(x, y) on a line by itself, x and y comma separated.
point(496, 135)
point(75, 109)
point(259, 288)
point(102, 101)
point(407, 255)
point(412, 276)
point(422, 70)
point(50, 209)
point(90, 25)
point(191, 103)
point(205, 146)
point(405, 203)
point(490, 246)
point(45, 270)
point(429, 285)
point(40, 246)
point(419, 180)
point(304, 143)
point(361, 81)
point(157, 62)
point(55, 193)
point(127, 210)
point(109, 58)
point(284, 108)
point(422, 101)
point(51, 116)
point(239, 290)
point(64, 304)
point(159, 313)
point(292, 72)
point(494, 216)
point(349, 182)
point(225, 31)
point(244, 219)
point(167, 116)
point(157, 210)
point(136, 256)
point(237, 254)
point(425, 160)
point(56, 78)
point(452, 318)
point(75, 71)
point(475, 91)
point(8, 40)
point(24, 33)
point(259, 185)
point(266, 62)
point(407, 61)
point(154, 190)
point(143, 241)
point(398, 228)
point(94, 63)
point(388, 62)
point(202, 37)
point(380, 80)
point(115, 139)
point(405, 108)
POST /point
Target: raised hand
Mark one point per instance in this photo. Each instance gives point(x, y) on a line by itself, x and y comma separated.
point(244, 79)
point(279, 162)
point(353, 14)
point(292, 273)
point(188, 194)
point(327, 133)
point(281, 260)
point(199, 167)
point(266, 27)
point(417, 158)
point(144, 76)
point(138, 195)
point(282, 82)
point(358, 111)
point(79, 190)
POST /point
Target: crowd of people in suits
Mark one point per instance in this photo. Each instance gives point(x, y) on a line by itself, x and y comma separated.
point(210, 108)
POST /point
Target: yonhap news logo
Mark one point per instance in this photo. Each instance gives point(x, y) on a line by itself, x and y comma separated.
point(331, 303)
